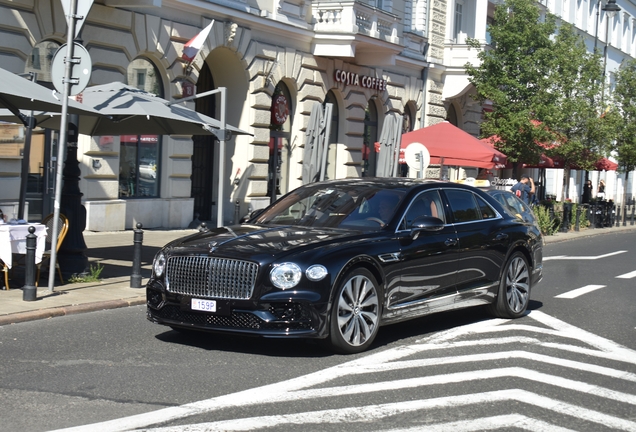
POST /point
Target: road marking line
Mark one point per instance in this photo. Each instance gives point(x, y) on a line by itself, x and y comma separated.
point(580, 291)
point(293, 388)
point(590, 257)
point(627, 275)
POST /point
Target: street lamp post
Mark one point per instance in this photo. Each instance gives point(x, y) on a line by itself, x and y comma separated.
point(611, 9)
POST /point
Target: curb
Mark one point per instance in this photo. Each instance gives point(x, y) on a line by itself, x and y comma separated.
point(70, 310)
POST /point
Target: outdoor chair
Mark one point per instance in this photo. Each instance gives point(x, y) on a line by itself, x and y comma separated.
point(62, 228)
point(5, 270)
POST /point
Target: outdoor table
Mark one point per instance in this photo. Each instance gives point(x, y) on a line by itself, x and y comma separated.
point(13, 241)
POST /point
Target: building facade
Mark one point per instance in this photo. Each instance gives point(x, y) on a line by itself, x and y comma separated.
point(277, 59)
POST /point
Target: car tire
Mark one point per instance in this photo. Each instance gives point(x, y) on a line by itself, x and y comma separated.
point(355, 314)
point(513, 295)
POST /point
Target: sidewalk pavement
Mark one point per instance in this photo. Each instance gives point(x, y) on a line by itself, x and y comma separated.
point(114, 251)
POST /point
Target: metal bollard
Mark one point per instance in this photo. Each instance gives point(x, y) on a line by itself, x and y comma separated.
point(618, 215)
point(135, 277)
point(625, 214)
point(237, 212)
point(567, 213)
point(633, 206)
point(29, 290)
point(577, 223)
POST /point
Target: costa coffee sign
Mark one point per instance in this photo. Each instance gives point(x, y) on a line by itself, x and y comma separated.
point(350, 78)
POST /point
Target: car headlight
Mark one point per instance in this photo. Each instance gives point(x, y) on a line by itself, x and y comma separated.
point(316, 272)
point(160, 264)
point(285, 275)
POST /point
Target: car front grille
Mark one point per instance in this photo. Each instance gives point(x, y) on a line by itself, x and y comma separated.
point(206, 277)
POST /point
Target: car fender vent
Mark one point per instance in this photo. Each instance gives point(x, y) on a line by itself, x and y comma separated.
point(390, 257)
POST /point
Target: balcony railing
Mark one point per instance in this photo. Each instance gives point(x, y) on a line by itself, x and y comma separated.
point(355, 18)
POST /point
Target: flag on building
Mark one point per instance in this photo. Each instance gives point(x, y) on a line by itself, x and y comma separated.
point(194, 45)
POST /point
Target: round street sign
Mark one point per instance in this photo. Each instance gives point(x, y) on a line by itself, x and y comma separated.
point(81, 72)
point(413, 153)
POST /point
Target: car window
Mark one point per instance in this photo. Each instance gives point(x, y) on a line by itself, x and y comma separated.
point(425, 204)
point(463, 205)
point(511, 204)
point(487, 212)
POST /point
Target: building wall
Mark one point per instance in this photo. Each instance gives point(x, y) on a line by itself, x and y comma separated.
point(261, 54)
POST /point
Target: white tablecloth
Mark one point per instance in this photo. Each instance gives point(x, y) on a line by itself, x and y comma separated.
point(13, 241)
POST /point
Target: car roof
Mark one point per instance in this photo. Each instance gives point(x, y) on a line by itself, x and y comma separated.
point(390, 183)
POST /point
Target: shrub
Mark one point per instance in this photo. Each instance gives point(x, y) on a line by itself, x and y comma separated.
point(92, 276)
point(549, 224)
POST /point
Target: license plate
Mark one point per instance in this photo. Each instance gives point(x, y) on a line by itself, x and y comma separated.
point(203, 305)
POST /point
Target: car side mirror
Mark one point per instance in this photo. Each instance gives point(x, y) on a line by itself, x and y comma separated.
point(251, 216)
point(425, 223)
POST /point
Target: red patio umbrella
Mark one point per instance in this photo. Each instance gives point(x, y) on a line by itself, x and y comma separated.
point(449, 145)
point(604, 164)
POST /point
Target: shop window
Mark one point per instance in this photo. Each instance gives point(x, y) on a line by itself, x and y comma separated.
point(140, 155)
point(138, 169)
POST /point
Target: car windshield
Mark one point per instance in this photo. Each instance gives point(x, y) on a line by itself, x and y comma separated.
point(361, 206)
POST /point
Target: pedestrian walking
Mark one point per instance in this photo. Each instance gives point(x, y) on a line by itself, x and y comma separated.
point(524, 188)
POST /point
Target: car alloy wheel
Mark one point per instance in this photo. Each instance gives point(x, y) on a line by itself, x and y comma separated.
point(514, 290)
point(355, 316)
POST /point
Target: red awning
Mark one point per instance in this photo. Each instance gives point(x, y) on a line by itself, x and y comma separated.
point(449, 145)
point(604, 164)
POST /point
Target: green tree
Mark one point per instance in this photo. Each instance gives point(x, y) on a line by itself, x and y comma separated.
point(514, 76)
point(574, 105)
point(625, 103)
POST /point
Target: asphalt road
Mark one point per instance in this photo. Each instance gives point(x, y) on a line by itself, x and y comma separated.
point(570, 364)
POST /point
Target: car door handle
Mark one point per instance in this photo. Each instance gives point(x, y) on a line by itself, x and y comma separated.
point(450, 242)
point(501, 236)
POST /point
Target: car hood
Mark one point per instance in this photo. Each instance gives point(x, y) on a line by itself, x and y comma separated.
point(250, 241)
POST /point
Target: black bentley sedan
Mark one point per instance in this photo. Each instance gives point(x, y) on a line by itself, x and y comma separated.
point(336, 260)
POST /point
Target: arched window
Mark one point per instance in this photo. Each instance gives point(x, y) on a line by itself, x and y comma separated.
point(409, 119)
point(140, 155)
point(451, 116)
point(280, 134)
point(332, 142)
point(369, 155)
point(40, 60)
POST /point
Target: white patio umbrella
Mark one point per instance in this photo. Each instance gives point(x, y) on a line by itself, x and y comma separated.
point(310, 167)
point(18, 93)
point(390, 141)
point(19, 98)
point(316, 144)
point(126, 110)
